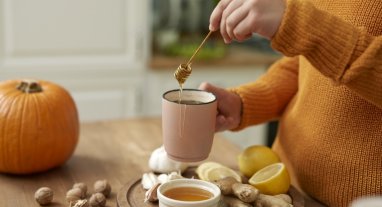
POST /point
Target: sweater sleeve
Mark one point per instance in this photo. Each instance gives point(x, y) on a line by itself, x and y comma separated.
point(346, 54)
point(266, 98)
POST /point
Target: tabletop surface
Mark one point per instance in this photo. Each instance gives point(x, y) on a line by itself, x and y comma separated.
point(117, 151)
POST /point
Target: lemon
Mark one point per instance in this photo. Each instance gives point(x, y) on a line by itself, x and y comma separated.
point(271, 180)
point(218, 173)
point(254, 158)
point(204, 167)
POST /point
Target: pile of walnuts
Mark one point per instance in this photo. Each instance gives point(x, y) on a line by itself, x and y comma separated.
point(76, 197)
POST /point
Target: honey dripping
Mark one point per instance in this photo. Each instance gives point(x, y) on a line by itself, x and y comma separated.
point(181, 74)
point(184, 70)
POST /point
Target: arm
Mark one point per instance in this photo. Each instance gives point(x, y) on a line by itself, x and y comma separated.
point(348, 55)
point(266, 98)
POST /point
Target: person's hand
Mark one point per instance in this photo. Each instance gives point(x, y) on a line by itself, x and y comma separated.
point(238, 19)
point(229, 107)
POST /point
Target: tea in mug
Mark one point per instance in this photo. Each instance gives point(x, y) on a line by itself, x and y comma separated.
point(188, 194)
point(188, 102)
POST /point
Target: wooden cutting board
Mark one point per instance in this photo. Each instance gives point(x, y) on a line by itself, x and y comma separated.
point(132, 194)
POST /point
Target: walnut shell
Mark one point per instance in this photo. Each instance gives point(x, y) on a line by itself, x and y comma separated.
point(44, 195)
point(102, 186)
point(97, 200)
point(73, 195)
point(83, 187)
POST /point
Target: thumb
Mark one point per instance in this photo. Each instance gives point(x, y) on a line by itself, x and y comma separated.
point(220, 123)
point(211, 88)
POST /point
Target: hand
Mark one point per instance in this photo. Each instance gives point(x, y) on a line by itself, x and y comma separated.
point(238, 19)
point(229, 107)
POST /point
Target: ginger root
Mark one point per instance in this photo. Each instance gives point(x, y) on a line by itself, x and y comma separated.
point(245, 192)
point(285, 197)
point(271, 201)
point(243, 195)
point(230, 186)
point(225, 185)
point(235, 202)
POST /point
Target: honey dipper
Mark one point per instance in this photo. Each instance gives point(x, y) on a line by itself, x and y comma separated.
point(184, 70)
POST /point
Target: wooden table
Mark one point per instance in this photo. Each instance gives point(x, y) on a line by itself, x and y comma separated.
point(115, 150)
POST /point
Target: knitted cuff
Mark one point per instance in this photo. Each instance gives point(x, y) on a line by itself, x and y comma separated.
point(258, 104)
point(325, 40)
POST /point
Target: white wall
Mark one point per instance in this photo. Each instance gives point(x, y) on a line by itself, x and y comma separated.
point(98, 50)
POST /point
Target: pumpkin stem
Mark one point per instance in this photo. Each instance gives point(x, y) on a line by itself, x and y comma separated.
point(29, 86)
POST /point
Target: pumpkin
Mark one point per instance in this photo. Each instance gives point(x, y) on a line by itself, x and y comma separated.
point(39, 126)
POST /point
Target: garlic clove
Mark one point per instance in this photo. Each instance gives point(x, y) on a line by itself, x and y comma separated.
point(162, 178)
point(148, 180)
point(174, 176)
point(151, 194)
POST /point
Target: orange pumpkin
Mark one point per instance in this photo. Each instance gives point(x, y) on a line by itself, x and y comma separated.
point(39, 126)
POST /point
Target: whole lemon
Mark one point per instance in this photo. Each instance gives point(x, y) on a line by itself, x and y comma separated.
point(254, 158)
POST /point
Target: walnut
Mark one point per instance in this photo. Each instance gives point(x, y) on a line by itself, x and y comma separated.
point(97, 200)
point(102, 186)
point(83, 187)
point(44, 195)
point(73, 195)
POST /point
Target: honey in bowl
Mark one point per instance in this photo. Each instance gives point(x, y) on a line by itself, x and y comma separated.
point(188, 194)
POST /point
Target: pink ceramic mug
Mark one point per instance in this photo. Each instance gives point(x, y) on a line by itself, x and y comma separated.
point(188, 127)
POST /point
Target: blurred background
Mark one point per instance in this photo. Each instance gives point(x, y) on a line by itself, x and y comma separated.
point(117, 57)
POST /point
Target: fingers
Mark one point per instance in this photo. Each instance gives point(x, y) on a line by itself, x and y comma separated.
point(218, 92)
point(226, 111)
point(223, 31)
point(227, 16)
point(205, 86)
point(223, 123)
point(220, 123)
point(216, 15)
point(244, 29)
point(233, 14)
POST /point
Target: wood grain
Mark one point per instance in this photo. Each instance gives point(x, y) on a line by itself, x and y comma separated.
point(115, 150)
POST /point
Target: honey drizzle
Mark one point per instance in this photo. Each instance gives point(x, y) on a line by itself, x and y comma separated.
point(184, 70)
point(181, 74)
point(182, 119)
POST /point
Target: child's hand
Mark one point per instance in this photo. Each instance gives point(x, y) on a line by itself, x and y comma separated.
point(229, 107)
point(238, 19)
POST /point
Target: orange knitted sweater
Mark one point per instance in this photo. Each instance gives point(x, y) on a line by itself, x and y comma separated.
point(327, 95)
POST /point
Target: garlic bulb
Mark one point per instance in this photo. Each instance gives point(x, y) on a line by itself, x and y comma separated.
point(159, 162)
